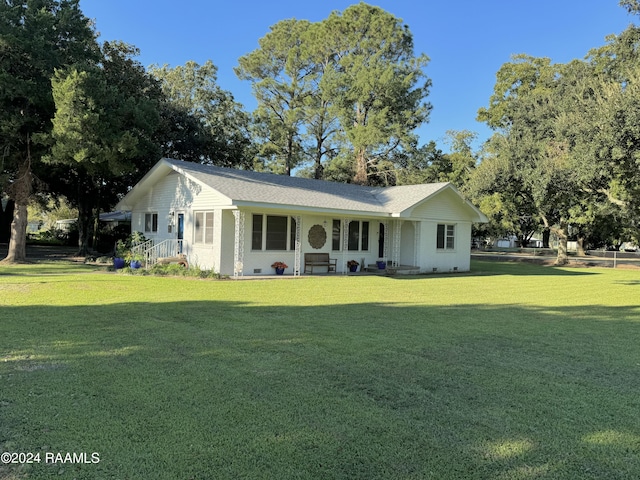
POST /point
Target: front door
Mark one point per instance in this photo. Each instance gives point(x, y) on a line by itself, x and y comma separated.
point(381, 241)
point(180, 231)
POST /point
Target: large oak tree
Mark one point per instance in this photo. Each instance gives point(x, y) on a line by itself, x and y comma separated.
point(36, 38)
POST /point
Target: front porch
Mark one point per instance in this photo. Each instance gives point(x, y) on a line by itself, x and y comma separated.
point(361, 239)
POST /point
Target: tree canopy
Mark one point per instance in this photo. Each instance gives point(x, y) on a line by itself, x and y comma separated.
point(352, 78)
point(565, 153)
point(36, 38)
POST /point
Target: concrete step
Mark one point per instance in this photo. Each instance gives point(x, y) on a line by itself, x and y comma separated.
point(391, 270)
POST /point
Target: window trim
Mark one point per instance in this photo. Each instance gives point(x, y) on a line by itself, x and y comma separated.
point(363, 236)
point(200, 233)
point(446, 236)
point(263, 224)
point(151, 222)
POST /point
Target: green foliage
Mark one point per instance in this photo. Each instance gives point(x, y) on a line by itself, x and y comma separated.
point(176, 270)
point(281, 72)
point(350, 80)
point(107, 116)
point(565, 150)
point(36, 38)
point(200, 121)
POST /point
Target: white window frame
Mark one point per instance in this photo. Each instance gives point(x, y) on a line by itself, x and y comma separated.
point(360, 223)
point(446, 236)
point(203, 234)
point(290, 233)
point(151, 222)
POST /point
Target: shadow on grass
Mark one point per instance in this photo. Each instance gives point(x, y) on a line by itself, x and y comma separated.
point(360, 391)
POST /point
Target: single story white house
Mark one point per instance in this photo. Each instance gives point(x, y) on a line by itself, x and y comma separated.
point(239, 222)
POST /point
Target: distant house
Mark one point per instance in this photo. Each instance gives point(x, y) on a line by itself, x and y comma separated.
point(111, 220)
point(240, 222)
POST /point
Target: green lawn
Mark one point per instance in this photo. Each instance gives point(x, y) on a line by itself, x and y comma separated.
point(514, 371)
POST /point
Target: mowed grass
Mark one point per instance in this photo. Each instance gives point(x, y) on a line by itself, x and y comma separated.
point(514, 371)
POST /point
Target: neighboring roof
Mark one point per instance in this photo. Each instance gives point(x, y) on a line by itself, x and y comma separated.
point(105, 217)
point(244, 188)
point(118, 216)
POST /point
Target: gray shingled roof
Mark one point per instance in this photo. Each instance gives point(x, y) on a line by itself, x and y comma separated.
point(243, 186)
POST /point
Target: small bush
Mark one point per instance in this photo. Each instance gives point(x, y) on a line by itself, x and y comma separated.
point(174, 269)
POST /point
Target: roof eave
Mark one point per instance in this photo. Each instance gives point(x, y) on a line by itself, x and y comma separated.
point(309, 209)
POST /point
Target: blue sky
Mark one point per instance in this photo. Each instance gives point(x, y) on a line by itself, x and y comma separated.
point(466, 40)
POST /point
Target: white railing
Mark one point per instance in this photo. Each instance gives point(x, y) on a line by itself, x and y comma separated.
point(167, 248)
point(141, 248)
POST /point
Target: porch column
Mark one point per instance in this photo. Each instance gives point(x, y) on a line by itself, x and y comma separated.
point(397, 237)
point(298, 246)
point(345, 242)
point(238, 244)
point(416, 242)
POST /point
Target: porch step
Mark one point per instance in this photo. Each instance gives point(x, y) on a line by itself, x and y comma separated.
point(391, 270)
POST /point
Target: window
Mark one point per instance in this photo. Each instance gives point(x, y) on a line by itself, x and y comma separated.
point(276, 233)
point(203, 228)
point(273, 232)
point(336, 240)
point(445, 238)
point(256, 233)
point(150, 222)
point(357, 236)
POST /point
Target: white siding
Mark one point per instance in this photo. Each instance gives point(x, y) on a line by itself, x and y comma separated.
point(175, 193)
point(444, 260)
point(445, 205)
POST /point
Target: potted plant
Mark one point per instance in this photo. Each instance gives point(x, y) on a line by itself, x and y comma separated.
point(120, 253)
point(279, 266)
point(353, 265)
point(381, 264)
point(134, 259)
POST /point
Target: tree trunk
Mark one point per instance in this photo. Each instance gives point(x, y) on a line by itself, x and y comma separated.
point(546, 236)
point(360, 177)
point(580, 246)
point(319, 169)
point(20, 190)
point(289, 160)
point(84, 223)
point(18, 242)
point(563, 257)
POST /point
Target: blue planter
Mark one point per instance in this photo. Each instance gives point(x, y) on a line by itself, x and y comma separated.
point(279, 271)
point(135, 264)
point(353, 268)
point(118, 263)
point(382, 265)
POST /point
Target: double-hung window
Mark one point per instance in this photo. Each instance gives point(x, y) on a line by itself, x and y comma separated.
point(150, 222)
point(203, 228)
point(273, 232)
point(445, 238)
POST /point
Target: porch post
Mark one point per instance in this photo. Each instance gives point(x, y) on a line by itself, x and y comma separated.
point(345, 242)
point(298, 246)
point(397, 236)
point(416, 242)
point(238, 244)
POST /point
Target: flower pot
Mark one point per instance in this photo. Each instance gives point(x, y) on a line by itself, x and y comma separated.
point(279, 271)
point(135, 264)
point(118, 263)
point(381, 265)
point(353, 268)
